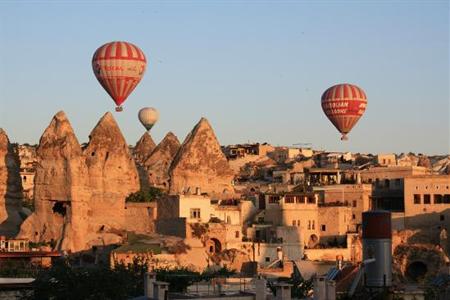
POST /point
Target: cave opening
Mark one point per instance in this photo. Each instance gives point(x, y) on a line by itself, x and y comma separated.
point(416, 270)
point(60, 208)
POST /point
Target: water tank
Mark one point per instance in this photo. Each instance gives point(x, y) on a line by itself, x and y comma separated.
point(377, 244)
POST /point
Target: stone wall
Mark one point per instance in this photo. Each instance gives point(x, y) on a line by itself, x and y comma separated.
point(176, 227)
point(140, 217)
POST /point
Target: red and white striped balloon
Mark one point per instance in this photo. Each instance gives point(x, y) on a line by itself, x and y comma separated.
point(119, 67)
point(344, 104)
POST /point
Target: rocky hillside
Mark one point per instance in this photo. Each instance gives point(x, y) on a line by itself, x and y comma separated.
point(200, 163)
point(10, 188)
point(158, 164)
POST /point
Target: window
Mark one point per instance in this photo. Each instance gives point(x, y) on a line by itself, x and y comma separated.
point(386, 183)
point(323, 228)
point(426, 199)
point(354, 203)
point(447, 199)
point(353, 216)
point(236, 234)
point(267, 259)
point(298, 223)
point(417, 199)
point(442, 217)
point(274, 199)
point(438, 199)
point(195, 213)
point(293, 223)
point(397, 182)
point(313, 225)
point(309, 225)
point(289, 199)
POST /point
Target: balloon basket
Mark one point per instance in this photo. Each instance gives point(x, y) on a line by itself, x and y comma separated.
point(344, 137)
point(119, 108)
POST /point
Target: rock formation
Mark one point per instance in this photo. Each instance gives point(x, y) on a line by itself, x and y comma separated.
point(424, 161)
point(158, 164)
point(10, 188)
point(61, 191)
point(111, 171)
point(143, 148)
point(200, 163)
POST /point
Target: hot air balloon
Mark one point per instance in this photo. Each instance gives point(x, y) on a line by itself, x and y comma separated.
point(148, 117)
point(344, 104)
point(119, 66)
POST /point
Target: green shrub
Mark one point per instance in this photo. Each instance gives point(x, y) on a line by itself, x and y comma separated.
point(147, 195)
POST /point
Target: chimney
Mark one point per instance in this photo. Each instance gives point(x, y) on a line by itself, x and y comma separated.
point(377, 244)
point(320, 291)
point(339, 262)
point(358, 178)
point(261, 288)
point(149, 279)
point(283, 291)
point(160, 290)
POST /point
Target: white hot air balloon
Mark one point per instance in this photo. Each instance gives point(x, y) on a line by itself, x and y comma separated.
point(148, 117)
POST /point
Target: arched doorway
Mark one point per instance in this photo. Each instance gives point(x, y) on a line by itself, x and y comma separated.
point(213, 245)
point(313, 241)
point(416, 270)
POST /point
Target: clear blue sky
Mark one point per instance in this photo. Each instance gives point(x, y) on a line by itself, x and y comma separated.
point(255, 69)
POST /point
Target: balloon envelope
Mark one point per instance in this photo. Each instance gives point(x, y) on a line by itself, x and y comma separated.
point(148, 117)
point(119, 66)
point(344, 104)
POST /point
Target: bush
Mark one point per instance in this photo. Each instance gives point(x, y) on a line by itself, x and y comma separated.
point(148, 195)
point(178, 278)
point(19, 269)
point(64, 281)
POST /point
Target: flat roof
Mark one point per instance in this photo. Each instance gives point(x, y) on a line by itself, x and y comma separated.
point(324, 170)
point(30, 254)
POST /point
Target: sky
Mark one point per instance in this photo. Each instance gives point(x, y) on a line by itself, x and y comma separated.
point(255, 69)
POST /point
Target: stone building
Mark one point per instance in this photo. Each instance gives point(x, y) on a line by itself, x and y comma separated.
point(27, 157)
point(323, 176)
point(387, 184)
point(176, 212)
point(356, 196)
point(427, 201)
point(386, 160)
point(334, 223)
point(299, 210)
point(243, 150)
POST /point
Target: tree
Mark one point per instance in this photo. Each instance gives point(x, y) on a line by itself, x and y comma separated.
point(65, 281)
point(147, 195)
